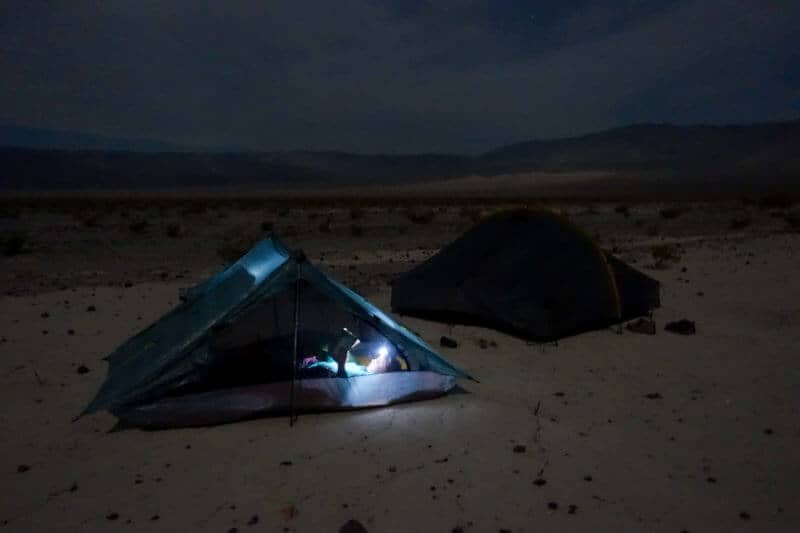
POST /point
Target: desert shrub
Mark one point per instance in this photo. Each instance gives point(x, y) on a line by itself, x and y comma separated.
point(13, 243)
point(471, 213)
point(174, 230)
point(10, 213)
point(195, 207)
point(793, 221)
point(669, 213)
point(421, 216)
point(267, 226)
point(623, 210)
point(356, 213)
point(91, 220)
point(356, 230)
point(664, 253)
point(776, 201)
point(740, 222)
point(139, 226)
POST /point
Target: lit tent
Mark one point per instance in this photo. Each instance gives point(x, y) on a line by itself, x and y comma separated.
point(227, 352)
point(530, 273)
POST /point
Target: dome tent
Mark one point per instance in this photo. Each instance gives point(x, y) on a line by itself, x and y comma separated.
point(227, 351)
point(530, 273)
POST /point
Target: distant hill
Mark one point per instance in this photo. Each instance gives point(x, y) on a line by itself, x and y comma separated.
point(745, 152)
point(658, 146)
point(44, 139)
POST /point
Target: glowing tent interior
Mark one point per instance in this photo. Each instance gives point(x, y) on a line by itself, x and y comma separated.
point(531, 273)
point(269, 334)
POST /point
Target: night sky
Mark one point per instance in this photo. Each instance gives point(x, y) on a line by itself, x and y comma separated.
point(393, 76)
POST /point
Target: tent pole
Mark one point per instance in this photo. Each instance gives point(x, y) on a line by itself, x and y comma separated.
point(292, 416)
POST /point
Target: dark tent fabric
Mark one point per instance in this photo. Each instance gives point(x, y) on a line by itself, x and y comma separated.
point(268, 334)
point(530, 273)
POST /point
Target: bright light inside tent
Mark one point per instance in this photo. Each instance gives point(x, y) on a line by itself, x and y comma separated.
point(383, 351)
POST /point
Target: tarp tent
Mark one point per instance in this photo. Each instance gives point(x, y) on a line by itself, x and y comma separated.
point(531, 273)
point(271, 333)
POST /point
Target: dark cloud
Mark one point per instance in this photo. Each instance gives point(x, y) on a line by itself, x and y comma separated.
point(405, 75)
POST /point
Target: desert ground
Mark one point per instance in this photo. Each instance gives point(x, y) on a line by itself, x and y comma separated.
point(609, 430)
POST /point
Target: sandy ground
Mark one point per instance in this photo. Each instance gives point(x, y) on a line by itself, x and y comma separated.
point(605, 431)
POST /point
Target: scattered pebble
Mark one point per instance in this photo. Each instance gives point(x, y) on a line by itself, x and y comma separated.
point(83, 369)
point(519, 448)
point(552, 506)
point(23, 468)
point(91, 309)
point(768, 431)
point(744, 515)
point(572, 509)
point(112, 516)
point(286, 463)
point(653, 396)
point(539, 482)
point(253, 520)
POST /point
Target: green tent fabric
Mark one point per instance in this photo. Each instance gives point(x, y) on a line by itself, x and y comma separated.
point(227, 351)
point(531, 273)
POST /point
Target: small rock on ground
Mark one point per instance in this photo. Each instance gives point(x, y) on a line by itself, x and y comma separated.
point(645, 326)
point(681, 327)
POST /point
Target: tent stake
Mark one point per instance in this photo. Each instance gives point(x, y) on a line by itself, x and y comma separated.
point(292, 416)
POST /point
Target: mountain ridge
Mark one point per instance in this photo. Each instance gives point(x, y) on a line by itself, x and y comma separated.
point(747, 149)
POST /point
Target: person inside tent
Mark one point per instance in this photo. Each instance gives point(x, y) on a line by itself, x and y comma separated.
point(351, 356)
